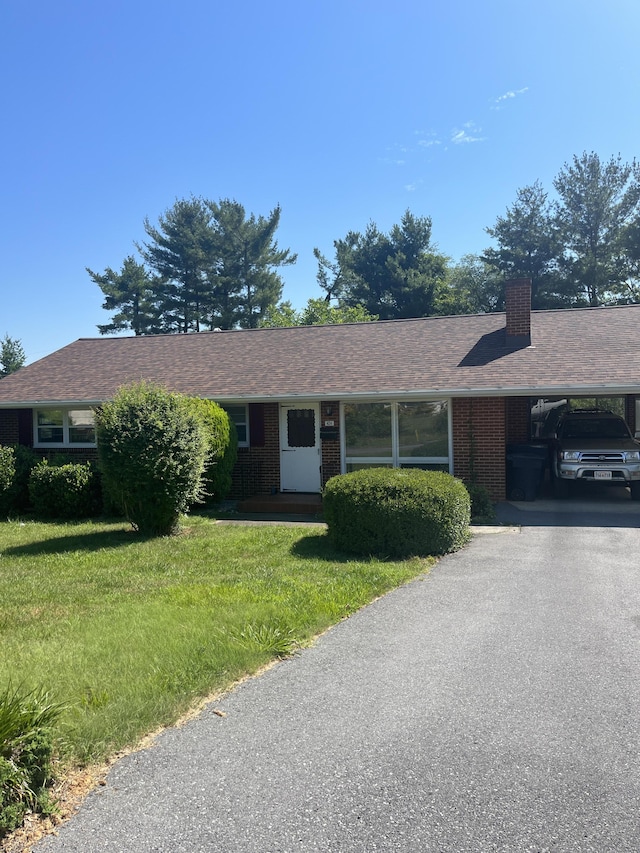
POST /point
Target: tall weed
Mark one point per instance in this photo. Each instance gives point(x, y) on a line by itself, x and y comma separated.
point(27, 718)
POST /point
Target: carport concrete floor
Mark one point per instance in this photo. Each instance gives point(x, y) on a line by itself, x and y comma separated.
point(491, 705)
point(588, 505)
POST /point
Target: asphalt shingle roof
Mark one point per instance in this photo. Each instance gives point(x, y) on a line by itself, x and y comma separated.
point(582, 349)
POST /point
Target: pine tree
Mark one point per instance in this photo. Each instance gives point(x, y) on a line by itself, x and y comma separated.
point(131, 294)
point(12, 356)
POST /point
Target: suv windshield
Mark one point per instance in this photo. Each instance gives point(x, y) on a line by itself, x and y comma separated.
point(594, 428)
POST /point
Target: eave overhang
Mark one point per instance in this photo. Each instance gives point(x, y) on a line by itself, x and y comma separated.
point(559, 390)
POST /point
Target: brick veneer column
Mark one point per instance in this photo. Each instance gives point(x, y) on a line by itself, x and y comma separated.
point(330, 411)
point(257, 471)
point(518, 419)
point(479, 442)
point(9, 430)
point(268, 457)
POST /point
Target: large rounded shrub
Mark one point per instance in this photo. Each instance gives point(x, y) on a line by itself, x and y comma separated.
point(396, 512)
point(152, 448)
point(222, 448)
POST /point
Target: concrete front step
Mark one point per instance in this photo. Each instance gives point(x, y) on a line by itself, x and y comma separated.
point(283, 503)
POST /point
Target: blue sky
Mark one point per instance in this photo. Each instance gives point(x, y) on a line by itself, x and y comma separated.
point(341, 111)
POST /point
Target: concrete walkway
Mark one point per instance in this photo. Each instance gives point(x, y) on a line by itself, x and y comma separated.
point(491, 706)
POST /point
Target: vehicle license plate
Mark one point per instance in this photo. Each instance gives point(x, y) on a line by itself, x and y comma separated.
point(602, 475)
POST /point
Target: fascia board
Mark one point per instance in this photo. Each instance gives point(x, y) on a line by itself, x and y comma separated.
point(387, 394)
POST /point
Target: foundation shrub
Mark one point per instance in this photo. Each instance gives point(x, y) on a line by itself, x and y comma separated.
point(222, 449)
point(26, 460)
point(7, 475)
point(71, 490)
point(152, 448)
point(16, 462)
point(396, 512)
point(482, 508)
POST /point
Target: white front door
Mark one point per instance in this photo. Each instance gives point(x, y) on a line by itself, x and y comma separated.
point(300, 458)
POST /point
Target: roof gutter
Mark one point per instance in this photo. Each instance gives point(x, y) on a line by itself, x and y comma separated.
point(561, 390)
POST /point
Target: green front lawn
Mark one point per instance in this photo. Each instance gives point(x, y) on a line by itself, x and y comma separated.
point(130, 633)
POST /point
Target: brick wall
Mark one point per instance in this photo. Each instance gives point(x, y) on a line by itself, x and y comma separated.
point(479, 442)
point(73, 454)
point(518, 419)
point(330, 411)
point(9, 427)
point(16, 426)
point(257, 471)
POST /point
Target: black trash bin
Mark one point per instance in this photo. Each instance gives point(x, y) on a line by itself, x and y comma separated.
point(526, 465)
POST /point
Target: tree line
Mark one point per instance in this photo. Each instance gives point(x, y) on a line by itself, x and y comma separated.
point(208, 264)
point(205, 265)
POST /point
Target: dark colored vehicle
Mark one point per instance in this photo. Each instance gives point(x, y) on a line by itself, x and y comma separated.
point(594, 446)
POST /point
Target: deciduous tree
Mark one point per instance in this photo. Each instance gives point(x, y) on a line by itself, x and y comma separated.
point(473, 287)
point(317, 312)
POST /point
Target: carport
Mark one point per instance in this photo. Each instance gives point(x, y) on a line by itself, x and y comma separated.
point(590, 505)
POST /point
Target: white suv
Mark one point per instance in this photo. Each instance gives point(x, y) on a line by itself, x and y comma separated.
point(595, 447)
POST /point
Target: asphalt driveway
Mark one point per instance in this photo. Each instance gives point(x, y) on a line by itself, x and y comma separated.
point(492, 706)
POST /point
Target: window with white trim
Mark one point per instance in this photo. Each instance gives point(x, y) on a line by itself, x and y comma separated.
point(64, 428)
point(240, 417)
point(397, 435)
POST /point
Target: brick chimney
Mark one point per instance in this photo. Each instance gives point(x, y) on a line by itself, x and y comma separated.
point(518, 306)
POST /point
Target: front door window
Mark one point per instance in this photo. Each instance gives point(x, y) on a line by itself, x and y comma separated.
point(301, 428)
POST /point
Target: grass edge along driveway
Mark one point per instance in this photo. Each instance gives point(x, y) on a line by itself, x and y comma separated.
point(131, 633)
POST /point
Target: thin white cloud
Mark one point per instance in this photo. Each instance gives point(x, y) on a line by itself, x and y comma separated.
point(427, 139)
point(467, 134)
point(498, 103)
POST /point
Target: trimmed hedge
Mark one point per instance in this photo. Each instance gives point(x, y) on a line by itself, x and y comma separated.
point(222, 446)
point(64, 491)
point(397, 512)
